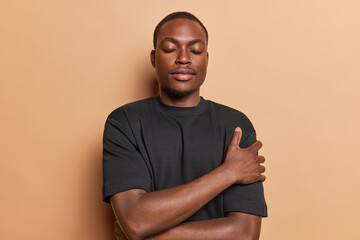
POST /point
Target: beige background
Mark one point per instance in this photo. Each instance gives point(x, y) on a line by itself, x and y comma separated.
point(291, 66)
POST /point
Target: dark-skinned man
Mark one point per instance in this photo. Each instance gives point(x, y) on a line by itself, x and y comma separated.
point(177, 166)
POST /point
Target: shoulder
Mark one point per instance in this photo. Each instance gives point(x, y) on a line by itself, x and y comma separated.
point(132, 108)
point(121, 122)
point(231, 116)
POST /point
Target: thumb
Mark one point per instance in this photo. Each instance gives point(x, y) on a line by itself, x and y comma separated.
point(235, 140)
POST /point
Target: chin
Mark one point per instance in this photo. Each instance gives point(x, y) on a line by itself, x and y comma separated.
point(174, 93)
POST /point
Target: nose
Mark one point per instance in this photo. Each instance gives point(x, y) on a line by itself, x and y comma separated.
point(183, 57)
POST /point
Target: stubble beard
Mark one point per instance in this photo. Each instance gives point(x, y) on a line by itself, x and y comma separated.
point(173, 93)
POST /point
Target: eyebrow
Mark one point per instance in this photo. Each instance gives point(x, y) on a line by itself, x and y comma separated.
point(196, 41)
point(174, 40)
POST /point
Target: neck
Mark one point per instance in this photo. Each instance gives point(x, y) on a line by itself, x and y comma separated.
point(187, 101)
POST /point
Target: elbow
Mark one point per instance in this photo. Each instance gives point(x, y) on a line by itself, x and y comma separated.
point(130, 218)
point(132, 234)
point(134, 230)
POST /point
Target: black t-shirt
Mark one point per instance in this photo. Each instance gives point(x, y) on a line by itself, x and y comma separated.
point(152, 146)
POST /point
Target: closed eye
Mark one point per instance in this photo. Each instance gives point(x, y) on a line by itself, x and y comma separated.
point(169, 50)
point(196, 52)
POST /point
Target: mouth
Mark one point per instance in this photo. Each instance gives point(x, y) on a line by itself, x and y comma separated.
point(183, 74)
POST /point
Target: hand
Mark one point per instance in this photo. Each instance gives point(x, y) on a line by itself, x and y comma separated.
point(244, 163)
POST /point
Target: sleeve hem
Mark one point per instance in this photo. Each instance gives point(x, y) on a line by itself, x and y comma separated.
point(247, 207)
point(108, 191)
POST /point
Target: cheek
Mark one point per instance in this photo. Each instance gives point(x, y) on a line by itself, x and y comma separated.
point(162, 68)
point(202, 65)
point(164, 59)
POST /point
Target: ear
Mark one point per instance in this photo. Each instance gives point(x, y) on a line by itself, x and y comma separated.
point(152, 57)
point(207, 56)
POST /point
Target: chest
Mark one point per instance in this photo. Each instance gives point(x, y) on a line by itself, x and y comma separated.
point(181, 149)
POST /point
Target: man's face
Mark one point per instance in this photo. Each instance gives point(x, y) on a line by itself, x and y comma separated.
point(181, 57)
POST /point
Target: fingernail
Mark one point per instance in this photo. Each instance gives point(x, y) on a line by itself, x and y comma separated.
point(237, 129)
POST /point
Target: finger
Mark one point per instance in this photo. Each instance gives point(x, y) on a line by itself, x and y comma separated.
point(235, 140)
point(261, 159)
point(262, 178)
point(256, 146)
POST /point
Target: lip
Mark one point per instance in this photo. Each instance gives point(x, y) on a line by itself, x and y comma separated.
point(183, 74)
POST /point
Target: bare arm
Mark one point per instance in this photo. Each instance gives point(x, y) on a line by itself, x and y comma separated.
point(143, 214)
point(235, 225)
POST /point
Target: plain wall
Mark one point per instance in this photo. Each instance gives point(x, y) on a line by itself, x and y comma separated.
point(293, 67)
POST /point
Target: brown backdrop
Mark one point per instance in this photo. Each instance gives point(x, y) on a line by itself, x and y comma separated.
point(291, 66)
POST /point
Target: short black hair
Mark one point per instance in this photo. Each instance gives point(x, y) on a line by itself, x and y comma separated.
point(177, 15)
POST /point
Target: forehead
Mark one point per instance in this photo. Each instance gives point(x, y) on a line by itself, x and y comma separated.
point(182, 30)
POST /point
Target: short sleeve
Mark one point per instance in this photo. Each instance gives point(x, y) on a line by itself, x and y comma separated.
point(123, 166)
point(246, 198)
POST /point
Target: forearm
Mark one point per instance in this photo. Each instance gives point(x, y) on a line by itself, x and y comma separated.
point(220, 228)
point(158, 211)
point(231, 227)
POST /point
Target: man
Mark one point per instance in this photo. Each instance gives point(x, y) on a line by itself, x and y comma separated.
point(173, 168)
